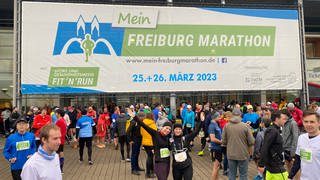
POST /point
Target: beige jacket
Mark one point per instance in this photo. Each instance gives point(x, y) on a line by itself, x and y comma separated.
point(238, 139)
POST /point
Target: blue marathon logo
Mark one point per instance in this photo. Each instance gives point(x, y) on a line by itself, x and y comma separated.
point(88, 38)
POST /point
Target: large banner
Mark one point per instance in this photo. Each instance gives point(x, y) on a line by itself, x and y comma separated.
point(83, 48)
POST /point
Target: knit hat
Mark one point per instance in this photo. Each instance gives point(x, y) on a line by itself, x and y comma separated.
point(147, 111)
point(168, 123)
point(236, 112)
point(177, 125)
point(215, 115)
point(290, 106)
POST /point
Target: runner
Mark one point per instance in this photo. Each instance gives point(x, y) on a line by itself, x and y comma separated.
point(215, 134)
point(72, 127)
point(290, 134)
point(182, 163)
point(19, 147)
point(61, 123)
point(39, 121)
point(121, 131)
point(272, 149)
point(114, 136)
point(265, 123)
point(135, 138)
point(84, 128)
point(161, 148)
point(147, 142)
point(45, 163)
point(103, 120)
point(308, 148)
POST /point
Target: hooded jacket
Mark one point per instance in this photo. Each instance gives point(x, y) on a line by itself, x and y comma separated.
point(189, 119)
point(121, 124)
point(40, 121)
point(297, 114)
point(146, 137)
point(290, 134)
point(237, 137)
point(19, 146)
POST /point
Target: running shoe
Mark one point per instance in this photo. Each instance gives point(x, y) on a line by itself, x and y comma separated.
point(200, 153)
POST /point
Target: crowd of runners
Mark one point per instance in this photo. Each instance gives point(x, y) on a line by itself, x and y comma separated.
point(281, 139)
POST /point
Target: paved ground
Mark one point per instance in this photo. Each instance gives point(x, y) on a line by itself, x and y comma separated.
point(107, 165)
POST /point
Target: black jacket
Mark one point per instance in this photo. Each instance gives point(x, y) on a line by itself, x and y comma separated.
point(181, 142)
point(133, 132)
point(272, 152)
point(159, 142)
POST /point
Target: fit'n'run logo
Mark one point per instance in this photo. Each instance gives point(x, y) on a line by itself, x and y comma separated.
point(88, 38)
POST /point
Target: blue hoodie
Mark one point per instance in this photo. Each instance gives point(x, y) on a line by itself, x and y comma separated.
point(183, 113)
point(189, 120)
point(19, 146)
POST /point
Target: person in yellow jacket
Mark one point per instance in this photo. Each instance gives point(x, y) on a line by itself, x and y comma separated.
point(147, 142)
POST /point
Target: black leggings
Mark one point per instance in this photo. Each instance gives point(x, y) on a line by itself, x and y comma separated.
point(149, 163)
point(16, 174)
point(123, 140)
point(203, 142)
point(88, 142)
point(185, 173)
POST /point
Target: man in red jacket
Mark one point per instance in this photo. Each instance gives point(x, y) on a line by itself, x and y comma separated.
point(61, 123)
point(39, 121)
point(296, 113)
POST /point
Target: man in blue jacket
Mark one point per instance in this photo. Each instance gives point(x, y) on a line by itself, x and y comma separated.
point(19, 147)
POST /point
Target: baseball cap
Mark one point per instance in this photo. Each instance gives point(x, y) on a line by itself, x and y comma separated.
point(249, 107)
point(189, 106)
point(21, 119)
point(131, 107)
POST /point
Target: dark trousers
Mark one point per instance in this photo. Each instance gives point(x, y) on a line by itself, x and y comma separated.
point(16, 174)
point(185, 173)
point(187, 130)
point(2, 131)
point(135, 155)
point(162, 170)
point(88, 142)
point(225, 161)
point(149, 161)
point(123, 140)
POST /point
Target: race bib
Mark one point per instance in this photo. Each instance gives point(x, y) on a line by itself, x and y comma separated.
point(306, 155)
point(201, 134)
point(180, 157)
point(188, 125)
point(22, 145)
point(164, 152)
